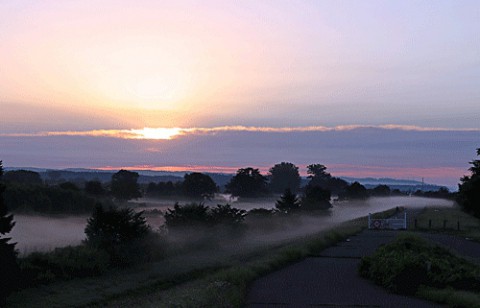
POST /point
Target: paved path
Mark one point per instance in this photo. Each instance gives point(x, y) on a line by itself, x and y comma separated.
point(330, 280)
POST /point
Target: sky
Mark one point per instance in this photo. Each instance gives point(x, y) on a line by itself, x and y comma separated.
point(368, 88)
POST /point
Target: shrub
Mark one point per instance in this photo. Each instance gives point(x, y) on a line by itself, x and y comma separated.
point(201, 226)
point(405, 264)
point(191, 215)
point(121, 233)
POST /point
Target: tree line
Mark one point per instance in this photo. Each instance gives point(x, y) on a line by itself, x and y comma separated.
point(25, 190)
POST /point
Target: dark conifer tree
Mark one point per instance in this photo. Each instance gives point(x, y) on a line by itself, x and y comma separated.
point(10, 274)
point(288, 202)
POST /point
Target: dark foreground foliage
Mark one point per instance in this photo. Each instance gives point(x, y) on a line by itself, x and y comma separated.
point(409, 262)
point(8, 256)
point(122, 233)
point(469, 190)
point(115, 238)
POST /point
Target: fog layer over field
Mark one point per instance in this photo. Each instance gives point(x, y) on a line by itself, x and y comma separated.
point(41, 233)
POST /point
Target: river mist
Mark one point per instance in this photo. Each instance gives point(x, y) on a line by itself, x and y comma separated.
point(44, 233)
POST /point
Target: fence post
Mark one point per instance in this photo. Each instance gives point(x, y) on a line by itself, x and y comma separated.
point(430, 224)
point(415, 223)
point(369, 214)
point(444, 224)
point(405, 221)
point(458, 225)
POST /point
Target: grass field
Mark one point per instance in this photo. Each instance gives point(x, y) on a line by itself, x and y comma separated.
point(448, 220)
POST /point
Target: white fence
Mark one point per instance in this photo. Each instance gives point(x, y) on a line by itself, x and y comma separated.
point(387, 224)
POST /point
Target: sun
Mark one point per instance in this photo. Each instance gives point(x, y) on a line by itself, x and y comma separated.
point(156, 133)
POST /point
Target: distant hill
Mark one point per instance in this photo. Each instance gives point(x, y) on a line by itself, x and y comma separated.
point(402, 185)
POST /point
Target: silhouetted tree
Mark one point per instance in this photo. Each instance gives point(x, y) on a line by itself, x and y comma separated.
point(284, 175)
point(47, 199)
point(248, 182)
point(94, 188)
point(191, 215)
point(318, 175)
point(355, 191)
point(288, 202)
point(22, 177)
point(165, 189)
point(120, 232)
point(227, 215)
point(8, 256)
point(335, 185)
point(199, 185)
point(124, 185)
point(469, 190)
point(316, 198)
point(381, 190)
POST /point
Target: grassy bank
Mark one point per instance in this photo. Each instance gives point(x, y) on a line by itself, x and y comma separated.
point(227, 287)
point(201, 277)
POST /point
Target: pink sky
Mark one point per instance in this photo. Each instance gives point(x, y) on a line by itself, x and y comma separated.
point(128, 83)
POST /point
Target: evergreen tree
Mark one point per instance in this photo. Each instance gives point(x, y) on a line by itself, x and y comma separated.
point(8, 255)
point(288, 202)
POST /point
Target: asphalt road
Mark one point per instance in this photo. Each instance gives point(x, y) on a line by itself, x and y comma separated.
point(330, 280)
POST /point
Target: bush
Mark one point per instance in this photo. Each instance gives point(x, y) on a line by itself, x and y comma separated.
point(193, 215)
point(121, 233)
point(405, 264)
point(202, 226)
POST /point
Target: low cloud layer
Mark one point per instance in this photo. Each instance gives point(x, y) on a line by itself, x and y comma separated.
point(170, 133)
point(438, 155)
